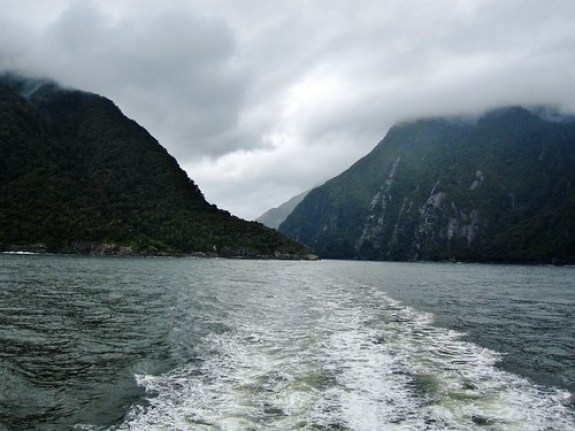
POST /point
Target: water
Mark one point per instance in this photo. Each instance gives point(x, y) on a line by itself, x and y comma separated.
point(196, 344)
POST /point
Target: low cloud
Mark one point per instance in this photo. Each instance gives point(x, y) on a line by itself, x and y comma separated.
point(172, 70)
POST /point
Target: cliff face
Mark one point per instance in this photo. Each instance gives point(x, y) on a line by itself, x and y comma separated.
point(497, 188)
point(76, 175)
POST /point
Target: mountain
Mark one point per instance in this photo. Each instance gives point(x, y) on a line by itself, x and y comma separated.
point(274, 217)
point(78, 176)
point(498, 188)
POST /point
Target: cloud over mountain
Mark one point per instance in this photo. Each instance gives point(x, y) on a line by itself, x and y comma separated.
point(259, 101)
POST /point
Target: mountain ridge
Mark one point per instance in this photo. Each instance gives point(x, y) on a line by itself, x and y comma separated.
point(472, 189)
point(78, 176)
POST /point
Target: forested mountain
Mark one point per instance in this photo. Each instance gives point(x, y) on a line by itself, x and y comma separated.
point(76, 175)
point(496, 188)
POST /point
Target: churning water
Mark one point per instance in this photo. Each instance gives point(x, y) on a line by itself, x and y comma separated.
point(195, 344)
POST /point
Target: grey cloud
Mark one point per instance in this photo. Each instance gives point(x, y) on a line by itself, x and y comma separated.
point(426, 62)
point(172, 70)
point(276, 96)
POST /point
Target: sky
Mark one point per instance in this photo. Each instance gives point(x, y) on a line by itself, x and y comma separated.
point(259, 100)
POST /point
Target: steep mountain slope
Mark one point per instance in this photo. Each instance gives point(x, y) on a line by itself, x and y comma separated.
point(275, 216)
point(498, 188)
point(76, 175)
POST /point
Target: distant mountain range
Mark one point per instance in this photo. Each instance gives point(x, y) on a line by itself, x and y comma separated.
point(274, 217)
point(77, 176)
point(498, 188)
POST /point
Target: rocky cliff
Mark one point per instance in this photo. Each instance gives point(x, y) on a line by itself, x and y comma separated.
point(500, 187)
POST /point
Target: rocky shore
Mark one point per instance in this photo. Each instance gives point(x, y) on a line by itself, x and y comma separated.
point(92, 249)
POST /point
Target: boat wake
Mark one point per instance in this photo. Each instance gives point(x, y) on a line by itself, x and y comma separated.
point(347, 359)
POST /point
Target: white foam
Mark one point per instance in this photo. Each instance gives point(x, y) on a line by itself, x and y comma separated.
point(18, 252)
point(346, 357)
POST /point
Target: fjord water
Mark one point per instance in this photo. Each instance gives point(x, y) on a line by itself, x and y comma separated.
point(210, 344)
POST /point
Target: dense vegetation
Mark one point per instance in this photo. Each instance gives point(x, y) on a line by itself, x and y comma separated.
point(76, 175)
point(498, 188)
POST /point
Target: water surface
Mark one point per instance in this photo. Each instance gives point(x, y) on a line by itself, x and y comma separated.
point(183, 343)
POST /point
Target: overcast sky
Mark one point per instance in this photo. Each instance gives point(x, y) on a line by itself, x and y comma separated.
point(261, 99)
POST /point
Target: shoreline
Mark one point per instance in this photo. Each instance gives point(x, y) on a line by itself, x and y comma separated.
point(113, 250)
point(91, 249)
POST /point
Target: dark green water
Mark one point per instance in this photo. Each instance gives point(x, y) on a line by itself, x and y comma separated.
point(182, 343)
